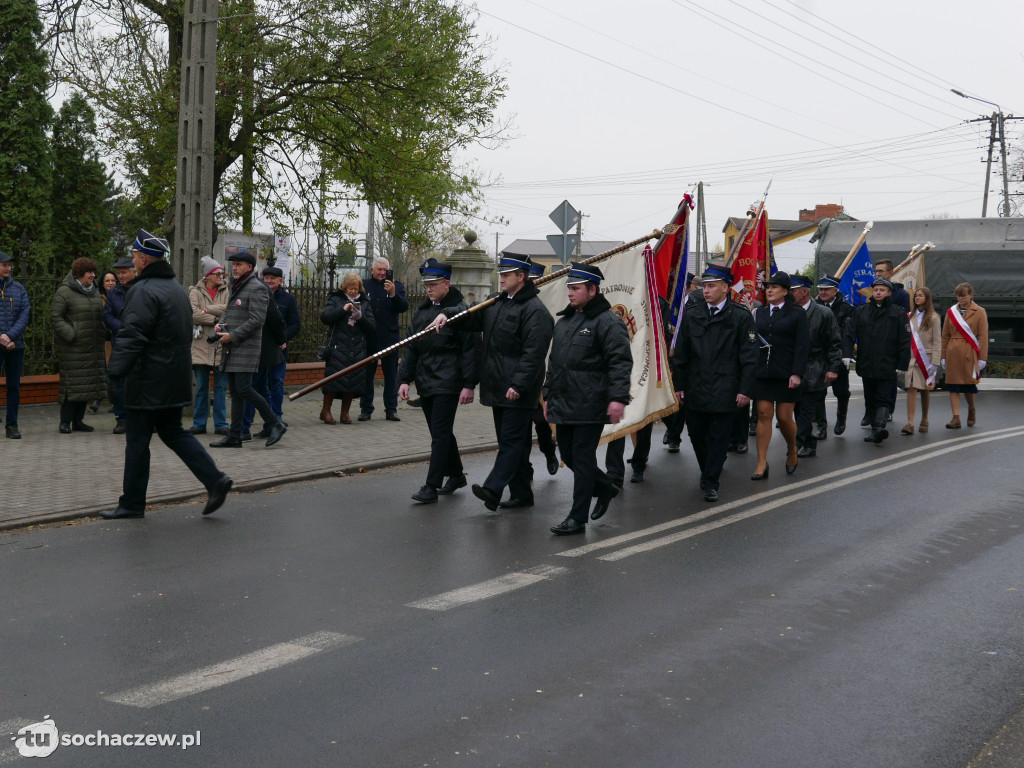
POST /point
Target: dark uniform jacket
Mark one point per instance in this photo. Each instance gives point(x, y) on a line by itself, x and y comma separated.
point(881, 334)
point(715, 357)
point(788, 339)
point(826, 353)
point(347, 344)
point(441, 363)
point(590, 365)
point(153, 349)
point(841, 309)
point(290, 312)
point(517, 334)
point(386, 310)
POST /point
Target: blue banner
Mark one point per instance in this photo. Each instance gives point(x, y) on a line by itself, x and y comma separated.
point(682, 284)
point(860, 274)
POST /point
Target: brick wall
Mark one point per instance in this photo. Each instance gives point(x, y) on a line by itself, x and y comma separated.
point(44, 389)
point(827, 211)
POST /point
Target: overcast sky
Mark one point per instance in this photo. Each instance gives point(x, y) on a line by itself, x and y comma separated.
point(621, 107)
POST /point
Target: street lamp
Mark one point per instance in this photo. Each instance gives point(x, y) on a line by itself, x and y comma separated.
point(997, 118)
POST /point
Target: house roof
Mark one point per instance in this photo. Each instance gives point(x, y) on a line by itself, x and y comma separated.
point(778, 228)
point(542, 248)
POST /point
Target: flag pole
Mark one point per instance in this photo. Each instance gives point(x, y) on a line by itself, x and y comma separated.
point(748, 225)
point(916, 251)
point(475, 308)
point(853, 251)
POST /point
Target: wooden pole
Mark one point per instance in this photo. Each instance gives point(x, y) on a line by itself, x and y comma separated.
point(853, 251)
point(751, 222)
point(916, 251)
point(475, 308)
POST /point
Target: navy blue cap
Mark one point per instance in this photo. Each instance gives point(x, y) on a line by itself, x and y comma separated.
point(882, 281)
point(5, 257)
point(432, 270)
point(273, 272)
point(583, 273)
point(801, 281)
point(150, 244)
point(245, 256)
point(827, 281)
point(780, 279)
point(715, 272)
point(690, 277)
point(536, 270)
point(513, 263)
point(125, 263)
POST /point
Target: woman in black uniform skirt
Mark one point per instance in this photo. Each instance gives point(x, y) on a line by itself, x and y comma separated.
point(785, 343)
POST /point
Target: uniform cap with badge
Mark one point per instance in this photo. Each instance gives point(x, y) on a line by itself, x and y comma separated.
point(150, 244)
point(432, 270)
point(583, 273)
point(514, 264)
point(715, 272)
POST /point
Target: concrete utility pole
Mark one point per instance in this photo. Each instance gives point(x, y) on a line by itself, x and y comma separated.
point(193, 230)
point(702, 232)
point(997, 120)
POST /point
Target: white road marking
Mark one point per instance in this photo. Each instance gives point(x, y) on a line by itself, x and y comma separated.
point(790, 498)
point(230, 671)
point(10, 728)
point(486, 589)
point(787, 489)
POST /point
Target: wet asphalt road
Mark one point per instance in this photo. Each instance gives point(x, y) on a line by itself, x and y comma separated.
point(866, 611)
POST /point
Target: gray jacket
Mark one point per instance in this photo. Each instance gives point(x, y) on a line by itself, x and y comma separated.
point(244, 318)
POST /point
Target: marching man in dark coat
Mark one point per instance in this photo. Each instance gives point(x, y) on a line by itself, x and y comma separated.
point(879, 331)
point(516, 336)
point(824, 361)
point(443, 365)
point(829, 296)
point(713, 369)
point(153, 354)
point(587, 386)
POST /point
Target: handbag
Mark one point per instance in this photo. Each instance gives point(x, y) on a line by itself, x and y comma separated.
point(324, 350)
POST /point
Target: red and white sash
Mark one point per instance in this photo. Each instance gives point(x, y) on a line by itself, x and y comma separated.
point(965, 330)
point(921, 354)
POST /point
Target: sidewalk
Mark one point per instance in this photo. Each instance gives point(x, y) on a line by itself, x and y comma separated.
point(51, 477)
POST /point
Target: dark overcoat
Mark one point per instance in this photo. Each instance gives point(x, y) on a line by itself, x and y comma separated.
point(76, 316)
point(346, 344)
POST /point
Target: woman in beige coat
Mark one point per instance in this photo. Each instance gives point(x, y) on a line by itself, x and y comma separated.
point(209, 299)
point(963, 365)
point(928, 325)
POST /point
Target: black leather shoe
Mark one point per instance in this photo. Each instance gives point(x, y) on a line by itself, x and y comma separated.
point(486, 496)
point(277, 430)
point(742, 448)
point(120, 427)
point(673, 446)
point(568, 527)
point(197, 430)
point(710, 494)
point(364, 416)
point(81, 426)
point(426, 495)
point(821, 432)
point(454, 483)
point(246, 437)
point(638, 475)
point(392, 416)
point(552, 464)
point(13, 433)
point(65, 427)
point(227, 442)
point(120, 514)
point(516, 503)
point(840, 426)
point(263, 434)
point(807, 453)
point(762, 475)
point(602, 502)
point(791, 468)
point(218, 493)
point(865, 422)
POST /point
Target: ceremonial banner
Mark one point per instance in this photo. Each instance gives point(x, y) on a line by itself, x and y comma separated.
point(630, 288)
point(668, 251)
point(750, 266)
point(855, 284)
point(912, 276)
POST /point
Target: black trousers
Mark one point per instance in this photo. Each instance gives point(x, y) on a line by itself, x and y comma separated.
point(545, 440)
point(614, 463)
point(439, 411)
point(166, 422)
point(240, 387)
point(807, 408)
point(877, 394)
point(740, 426)
point(674, 424)
point(710, 434)
point(512, 464)
point(841, 390)
point(389, 364)
point(71, 410)
point(577, 444)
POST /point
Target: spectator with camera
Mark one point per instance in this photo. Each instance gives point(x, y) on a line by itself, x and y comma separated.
point(387, 301)
point(349, 315)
